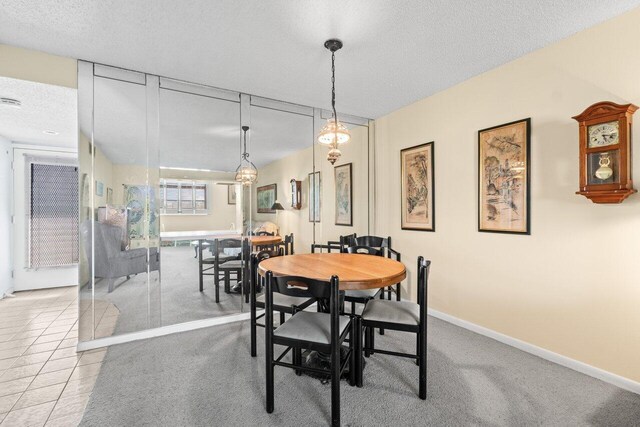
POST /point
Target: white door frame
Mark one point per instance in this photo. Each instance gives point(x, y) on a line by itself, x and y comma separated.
point(27, 278)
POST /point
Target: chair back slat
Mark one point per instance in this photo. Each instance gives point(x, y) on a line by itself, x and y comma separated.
point(346, 241)
point(367, 250)
point(373, 241)
point(298, 286)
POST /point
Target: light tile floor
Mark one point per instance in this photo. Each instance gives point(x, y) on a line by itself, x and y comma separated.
point(43, 381)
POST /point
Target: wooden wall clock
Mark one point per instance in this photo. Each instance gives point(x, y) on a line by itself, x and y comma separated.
point(605, 152)
point(296, 194)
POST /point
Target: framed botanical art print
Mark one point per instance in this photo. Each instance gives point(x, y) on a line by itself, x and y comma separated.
point(267, 196)
point(314, 197)
point(417, 188)
point(504, 178)
point(231, 194)
point(344, 194)
point(109, 196)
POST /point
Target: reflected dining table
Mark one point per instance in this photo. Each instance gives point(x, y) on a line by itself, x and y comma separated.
point(354, 271)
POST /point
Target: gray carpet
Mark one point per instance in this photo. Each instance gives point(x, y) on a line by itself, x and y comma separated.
point(206, 378)
point(174, 299)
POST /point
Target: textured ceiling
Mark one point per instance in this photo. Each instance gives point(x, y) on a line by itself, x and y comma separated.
point(396, 52)
point(44, 108)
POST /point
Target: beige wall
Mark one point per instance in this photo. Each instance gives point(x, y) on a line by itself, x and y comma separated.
point(37, 66)
point(573, 286)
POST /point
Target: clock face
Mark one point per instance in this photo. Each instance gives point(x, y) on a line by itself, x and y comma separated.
point(603, 134)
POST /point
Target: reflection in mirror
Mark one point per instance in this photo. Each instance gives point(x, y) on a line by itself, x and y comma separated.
point(121, 233)
point(201, 214)
point(344, 189)
point(282, 148)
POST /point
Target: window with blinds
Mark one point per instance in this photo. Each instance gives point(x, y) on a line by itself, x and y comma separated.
point(53, 215)
point(183, 197)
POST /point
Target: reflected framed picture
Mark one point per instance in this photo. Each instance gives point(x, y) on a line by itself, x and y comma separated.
point(267, 196)
point(109, 196)
point(417, 198)
point(99, 189)
point(314, 197)
point(504, 178)
point(344, 194)
point(231, 194)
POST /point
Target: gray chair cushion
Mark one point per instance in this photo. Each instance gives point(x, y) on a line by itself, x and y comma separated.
point(362, 293)
point(401, 312)
point(309, 326)
point(283, 300)
point(235, 264)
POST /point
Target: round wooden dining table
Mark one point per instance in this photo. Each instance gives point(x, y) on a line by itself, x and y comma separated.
point(263, 240)
point(354, 271)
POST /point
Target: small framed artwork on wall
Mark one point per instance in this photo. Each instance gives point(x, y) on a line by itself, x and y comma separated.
point(417, 188)
point(344, 194)
point(99, 189)
point(267, 196)
point(109, 196)
point(504, 178)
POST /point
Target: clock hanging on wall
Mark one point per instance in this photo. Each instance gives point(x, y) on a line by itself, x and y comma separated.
point(605, 152)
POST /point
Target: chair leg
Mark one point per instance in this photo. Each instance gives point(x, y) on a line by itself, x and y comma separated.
point(422, 388)
point(297, 359)
point(335, 386)
point(217, 285)
point(382, 297)
point(269, 375)
point(282, 319)
point(254, 351)
point(353, 364)
point(367, 342)
point(372, 339)
point(359, 362)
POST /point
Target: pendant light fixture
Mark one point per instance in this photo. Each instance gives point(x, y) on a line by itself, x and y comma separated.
point(246, 173)
point(333, 133)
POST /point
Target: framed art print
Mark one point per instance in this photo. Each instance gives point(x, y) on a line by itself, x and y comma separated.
point(267, 196)
point(417, 188)
point(344, 194)
point(231, 194)
point(314, 197)
point(504, 178)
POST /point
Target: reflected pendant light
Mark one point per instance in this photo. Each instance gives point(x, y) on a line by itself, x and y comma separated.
point(246, 173)
point(333, 133)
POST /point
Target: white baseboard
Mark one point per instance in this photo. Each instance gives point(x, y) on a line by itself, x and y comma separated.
point(158, 332)
point(567, 362)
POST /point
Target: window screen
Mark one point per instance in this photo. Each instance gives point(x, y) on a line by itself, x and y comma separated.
point(53, 225)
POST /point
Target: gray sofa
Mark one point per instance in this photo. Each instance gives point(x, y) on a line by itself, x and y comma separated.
point(111, 262)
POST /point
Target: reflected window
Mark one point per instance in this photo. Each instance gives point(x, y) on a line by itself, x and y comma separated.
point(183, 197)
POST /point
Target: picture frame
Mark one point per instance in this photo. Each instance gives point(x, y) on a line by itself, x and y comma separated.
point(109, 196)
point(343, 194)
point(417, 188)
point(314, 196)
point(99, 189)
point(231, 194)
point(266, 196)
point(504, 178)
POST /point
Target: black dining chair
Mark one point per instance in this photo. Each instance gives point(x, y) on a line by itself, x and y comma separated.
point(287, 244)
point(226, 260)
point(400, 316)
point(213, 262)
point(322, 332)
point(283, 303)
point(346, 241)
point(265, 233)
point(361, 296)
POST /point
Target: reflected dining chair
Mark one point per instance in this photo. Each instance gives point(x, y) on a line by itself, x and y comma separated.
point(224, 251)
point(322, 332)
point(400, 316)
point(282, 303)
point(287, 244)
point(361, 296)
